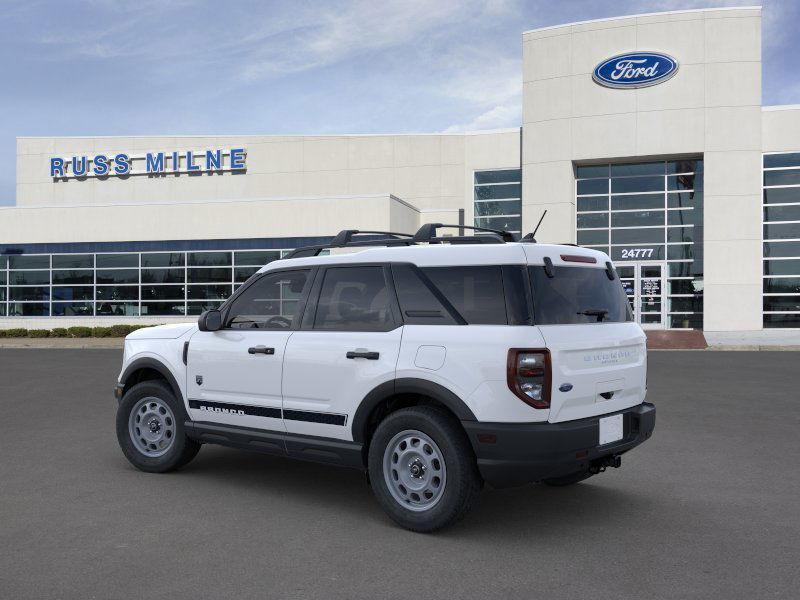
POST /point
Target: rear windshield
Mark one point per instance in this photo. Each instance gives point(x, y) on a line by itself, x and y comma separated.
point(577, 295)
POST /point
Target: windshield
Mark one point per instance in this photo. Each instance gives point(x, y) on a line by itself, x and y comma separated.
point(577, 295)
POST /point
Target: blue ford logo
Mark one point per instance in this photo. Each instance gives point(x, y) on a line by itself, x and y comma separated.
point(635, 70)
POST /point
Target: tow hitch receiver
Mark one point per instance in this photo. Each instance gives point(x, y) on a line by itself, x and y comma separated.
point(601, 464)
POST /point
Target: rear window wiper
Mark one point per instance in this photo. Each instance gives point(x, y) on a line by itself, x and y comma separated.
point(600, 313)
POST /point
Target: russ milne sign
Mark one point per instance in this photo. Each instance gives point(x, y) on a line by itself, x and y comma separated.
point(635, 70)
point(151, 163)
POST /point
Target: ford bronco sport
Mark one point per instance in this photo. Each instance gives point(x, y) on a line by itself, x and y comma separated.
point(433, 363)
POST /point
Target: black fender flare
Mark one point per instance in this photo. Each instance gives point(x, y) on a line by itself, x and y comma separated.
point(407, 385)
point(151, 363)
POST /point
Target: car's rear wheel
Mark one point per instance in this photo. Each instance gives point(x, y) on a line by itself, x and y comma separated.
point(422, 468)
point(150, 428)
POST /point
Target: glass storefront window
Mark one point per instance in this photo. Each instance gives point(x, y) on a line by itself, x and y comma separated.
point(645, 212)
point(163, 259)
point(257, 258)
point(163, 276)
point(73, 261)
point(29, 293)
point(111, 261)
point(163, 292)
point(117, 276)
point(73, 309)
point(781, 247)
point(72, 293)
point(209, 259)
point(29, 277)
point(40, 261)
point(162, 309)
point(117, 309)
point(28, 309)
point(209, 275)
point(67, 277)
point(498, 199)
point(117, 292)
point(108, 284)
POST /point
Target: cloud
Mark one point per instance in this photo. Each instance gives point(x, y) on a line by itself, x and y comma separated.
point(498, 117)
point(335, 34)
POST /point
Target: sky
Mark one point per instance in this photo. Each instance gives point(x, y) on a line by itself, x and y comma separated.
point(160, 67)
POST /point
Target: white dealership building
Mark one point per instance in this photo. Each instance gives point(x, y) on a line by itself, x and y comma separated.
point(643, 136)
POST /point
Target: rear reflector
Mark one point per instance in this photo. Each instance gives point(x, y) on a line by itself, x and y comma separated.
point(578, 258)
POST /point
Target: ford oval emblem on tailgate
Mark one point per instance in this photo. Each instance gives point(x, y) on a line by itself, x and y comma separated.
point(565, 387)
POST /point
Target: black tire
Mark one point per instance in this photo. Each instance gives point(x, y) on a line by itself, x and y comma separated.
point(565, 480)
point(182, 449)
point(463, 481)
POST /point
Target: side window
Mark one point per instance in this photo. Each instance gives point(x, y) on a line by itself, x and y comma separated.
point(418, 304)
point(269, 303)
point(475, 292)
point(354, 299)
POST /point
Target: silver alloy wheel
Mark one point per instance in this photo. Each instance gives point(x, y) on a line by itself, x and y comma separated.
point(414, 470)
point(151, 426)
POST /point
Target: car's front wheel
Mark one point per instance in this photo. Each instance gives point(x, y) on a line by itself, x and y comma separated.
point(422, 468)
point(150, 428)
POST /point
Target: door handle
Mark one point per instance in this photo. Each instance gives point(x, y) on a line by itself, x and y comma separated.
point(363, 354)
point(260, 350)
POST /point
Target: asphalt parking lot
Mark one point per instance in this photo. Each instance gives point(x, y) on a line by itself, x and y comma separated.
point(706, 509)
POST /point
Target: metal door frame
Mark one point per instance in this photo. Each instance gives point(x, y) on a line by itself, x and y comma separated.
point(637, 291)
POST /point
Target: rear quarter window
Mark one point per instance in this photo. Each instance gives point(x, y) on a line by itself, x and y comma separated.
point(576, 295)
point(475, 292)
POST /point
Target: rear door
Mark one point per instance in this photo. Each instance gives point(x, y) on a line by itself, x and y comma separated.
point(598, 353)
point(348, 344)
point(234, 374)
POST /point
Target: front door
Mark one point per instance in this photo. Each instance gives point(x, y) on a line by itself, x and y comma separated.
point(644, 286)
point(347, 346)
point(234, 374)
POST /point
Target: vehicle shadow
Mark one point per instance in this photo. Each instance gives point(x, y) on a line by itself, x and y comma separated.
point(506, 512)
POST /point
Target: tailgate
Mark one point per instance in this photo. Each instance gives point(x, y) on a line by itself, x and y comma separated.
point(605, 363)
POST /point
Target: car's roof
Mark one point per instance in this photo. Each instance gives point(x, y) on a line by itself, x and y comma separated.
point(435, 255)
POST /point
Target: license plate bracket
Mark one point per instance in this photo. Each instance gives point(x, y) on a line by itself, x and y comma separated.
point(611, 429)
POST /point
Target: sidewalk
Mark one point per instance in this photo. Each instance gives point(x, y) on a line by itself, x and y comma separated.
point(79, 343)
point(765, 339)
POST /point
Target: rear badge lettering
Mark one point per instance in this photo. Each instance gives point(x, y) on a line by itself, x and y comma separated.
point(608, 358)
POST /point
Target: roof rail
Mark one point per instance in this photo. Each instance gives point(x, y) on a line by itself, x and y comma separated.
point(344, 239)
point(427, 233)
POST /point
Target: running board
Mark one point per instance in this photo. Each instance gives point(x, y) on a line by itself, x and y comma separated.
point(315, 449)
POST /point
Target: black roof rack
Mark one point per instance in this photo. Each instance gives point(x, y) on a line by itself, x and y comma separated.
point(425, 234)
point(344, 239)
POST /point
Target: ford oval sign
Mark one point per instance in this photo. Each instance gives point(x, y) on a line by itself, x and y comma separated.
point(635, 70)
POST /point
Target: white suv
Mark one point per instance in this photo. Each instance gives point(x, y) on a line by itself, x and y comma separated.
point(432, 363)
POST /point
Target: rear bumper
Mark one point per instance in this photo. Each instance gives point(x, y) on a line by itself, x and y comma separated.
point(527, 452)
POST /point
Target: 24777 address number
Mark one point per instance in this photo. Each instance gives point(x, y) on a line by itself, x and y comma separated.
point(637, 253)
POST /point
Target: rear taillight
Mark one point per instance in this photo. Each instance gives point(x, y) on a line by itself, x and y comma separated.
point(529, 376)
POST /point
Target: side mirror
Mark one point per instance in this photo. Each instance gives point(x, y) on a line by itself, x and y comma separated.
point(210, 320)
